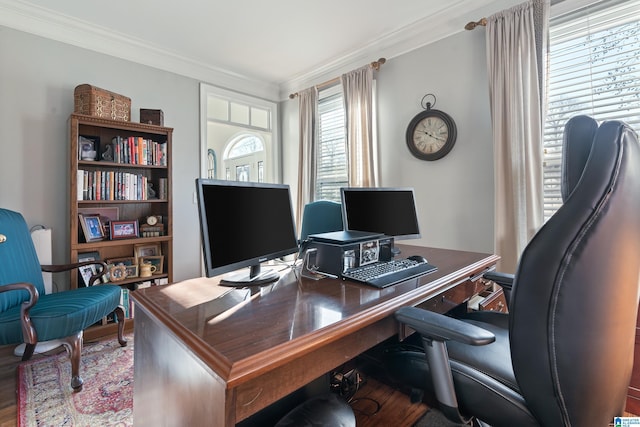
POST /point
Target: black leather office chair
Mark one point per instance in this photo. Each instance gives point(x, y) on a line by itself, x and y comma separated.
point(576, 145)
point(564, 354)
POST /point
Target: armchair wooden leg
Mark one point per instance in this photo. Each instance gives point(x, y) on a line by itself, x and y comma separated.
point(119, 311)
point(28, 351)
point(73, 345)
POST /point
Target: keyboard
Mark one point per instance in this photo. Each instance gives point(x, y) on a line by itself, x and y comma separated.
point(387, 273)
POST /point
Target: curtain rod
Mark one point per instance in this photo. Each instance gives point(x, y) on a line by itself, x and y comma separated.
point(375, 65)
point(472, 25)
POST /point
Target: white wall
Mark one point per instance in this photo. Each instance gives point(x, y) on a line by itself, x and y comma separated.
point(37, 78)
point(454, 194)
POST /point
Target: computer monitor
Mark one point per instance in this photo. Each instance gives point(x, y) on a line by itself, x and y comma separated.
point(242, 225)
point(391, 211)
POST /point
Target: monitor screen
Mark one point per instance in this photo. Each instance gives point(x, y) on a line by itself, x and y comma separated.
point(243, 224)
point(391, 211)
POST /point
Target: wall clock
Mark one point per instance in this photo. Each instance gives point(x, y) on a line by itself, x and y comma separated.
point(431, 134)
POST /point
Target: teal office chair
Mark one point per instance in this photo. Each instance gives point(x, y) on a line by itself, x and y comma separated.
point(27, 314)
point(322, 216)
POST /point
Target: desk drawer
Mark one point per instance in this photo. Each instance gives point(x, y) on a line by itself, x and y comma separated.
point(493, 301)
point(454, 296)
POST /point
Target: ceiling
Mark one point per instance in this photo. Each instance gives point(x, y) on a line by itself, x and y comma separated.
point(281, 44)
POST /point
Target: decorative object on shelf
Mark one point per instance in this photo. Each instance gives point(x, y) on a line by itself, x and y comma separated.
point(157, 261)
point(132, 271)
point(107, 154)
point(94, 101)
point(91, 227)
point(431, 134)
point(124, 229)
point(152, 117)
point(86, 271)
point(146, 269)
point(88, 147)
point(146, 250)
point(117, 272)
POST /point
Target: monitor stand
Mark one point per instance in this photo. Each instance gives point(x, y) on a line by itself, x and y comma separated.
point(395, 251)
point(254, 277)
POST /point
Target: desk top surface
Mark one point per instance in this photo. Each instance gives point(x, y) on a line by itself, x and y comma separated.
point(234, 330)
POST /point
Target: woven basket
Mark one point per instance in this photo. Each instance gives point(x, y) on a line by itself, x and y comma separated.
point(93, 101)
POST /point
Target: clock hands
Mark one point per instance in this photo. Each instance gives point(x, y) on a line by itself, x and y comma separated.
point(434, 137)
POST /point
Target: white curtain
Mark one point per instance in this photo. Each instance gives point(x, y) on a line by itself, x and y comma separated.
point(516, 56)
point(307, 155)
point(357, 87)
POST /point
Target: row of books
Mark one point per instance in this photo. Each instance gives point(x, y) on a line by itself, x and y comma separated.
point(112, 185)
point(136, 150)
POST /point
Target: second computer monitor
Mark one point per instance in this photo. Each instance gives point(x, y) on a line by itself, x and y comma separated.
point(391, 211)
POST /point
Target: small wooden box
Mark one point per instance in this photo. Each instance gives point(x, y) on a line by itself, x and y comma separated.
point(151, 117)
point(93, 101)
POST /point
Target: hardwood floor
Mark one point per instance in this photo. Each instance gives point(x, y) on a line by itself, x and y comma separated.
point(8, 364)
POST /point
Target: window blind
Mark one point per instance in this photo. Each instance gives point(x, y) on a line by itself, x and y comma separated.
point(594, 69)
point(331, 155)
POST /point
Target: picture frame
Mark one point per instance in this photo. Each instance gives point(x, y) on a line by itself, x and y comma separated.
point(85, 272)
point(91, 227)
point(156, 260)
point(126, 261)
point(131, 271)
point(88, 147)
point(146, 250)
point(123, 229)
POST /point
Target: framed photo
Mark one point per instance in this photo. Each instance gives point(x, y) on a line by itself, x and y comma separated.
point(131, 271)
point(147, 250)
point(123, 261)
point(91, 227)
point(156, 260)
point(88, 147)
point(123, 229)
point(86, 271)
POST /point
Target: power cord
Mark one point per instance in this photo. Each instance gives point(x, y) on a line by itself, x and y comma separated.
point(347, 385)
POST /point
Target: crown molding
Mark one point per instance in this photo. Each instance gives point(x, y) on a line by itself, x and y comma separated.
point(411, 37)
point(55, 26)
point(49, 24)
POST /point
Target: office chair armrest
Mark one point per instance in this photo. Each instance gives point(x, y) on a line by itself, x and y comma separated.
point(443, 328)
point(28, 331)
point(66, 267)
point(435, 329)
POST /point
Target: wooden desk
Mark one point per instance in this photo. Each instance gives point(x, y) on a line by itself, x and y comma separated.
point(210, 355)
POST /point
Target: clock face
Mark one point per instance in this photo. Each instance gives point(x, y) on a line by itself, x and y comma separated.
point(152, 220)
point(431, 135)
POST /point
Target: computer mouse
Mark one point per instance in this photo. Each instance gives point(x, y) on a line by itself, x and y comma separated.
point(417, 258)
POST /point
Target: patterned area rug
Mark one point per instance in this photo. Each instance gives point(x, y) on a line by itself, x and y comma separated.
point(45, 397)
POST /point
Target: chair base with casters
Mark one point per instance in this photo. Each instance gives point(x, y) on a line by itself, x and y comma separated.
point(28, 315)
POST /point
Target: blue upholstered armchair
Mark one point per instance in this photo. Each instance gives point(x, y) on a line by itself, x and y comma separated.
point(321, 216)
point(27, 314)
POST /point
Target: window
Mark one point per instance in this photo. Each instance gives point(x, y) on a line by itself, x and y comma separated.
point(227, 117)
point(331, 156)
point(594, 69)
point(244, 158)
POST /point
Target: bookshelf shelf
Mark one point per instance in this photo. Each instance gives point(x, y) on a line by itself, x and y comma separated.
point(131, 187)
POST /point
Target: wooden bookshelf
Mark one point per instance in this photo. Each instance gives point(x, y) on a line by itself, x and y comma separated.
point(116, 187)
